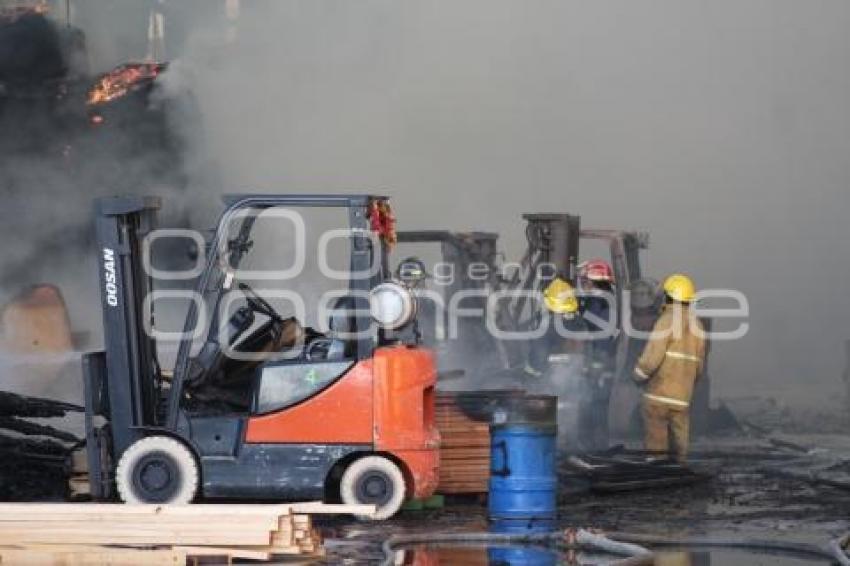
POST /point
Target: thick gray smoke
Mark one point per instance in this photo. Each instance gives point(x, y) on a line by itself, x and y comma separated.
point(723, 128)
point(54, 161)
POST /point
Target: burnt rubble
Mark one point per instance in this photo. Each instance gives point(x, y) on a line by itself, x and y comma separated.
point(33, 456)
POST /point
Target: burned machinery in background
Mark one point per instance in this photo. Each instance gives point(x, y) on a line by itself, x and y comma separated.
point(474, 264)
point(470, 262)
point(552, 251)
point(472, 357)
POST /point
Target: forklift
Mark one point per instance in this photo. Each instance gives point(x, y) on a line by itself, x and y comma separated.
point(346, 415)
point(553, 241)
point(468, 357)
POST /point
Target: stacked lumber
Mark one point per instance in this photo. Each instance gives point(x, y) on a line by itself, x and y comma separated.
point(89, 533)
point(465, 448)
point(78, 478)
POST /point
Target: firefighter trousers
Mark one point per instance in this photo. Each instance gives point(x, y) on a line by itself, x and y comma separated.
point(663, 424)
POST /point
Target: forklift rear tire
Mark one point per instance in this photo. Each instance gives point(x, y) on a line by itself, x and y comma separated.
point(157, 469)
point(374, 480)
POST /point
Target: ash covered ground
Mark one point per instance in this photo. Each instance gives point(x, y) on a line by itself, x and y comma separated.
point(772, 487)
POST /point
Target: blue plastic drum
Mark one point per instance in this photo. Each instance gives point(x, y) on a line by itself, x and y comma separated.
point(523, 482)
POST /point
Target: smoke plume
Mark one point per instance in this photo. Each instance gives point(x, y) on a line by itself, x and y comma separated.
point(722, 128)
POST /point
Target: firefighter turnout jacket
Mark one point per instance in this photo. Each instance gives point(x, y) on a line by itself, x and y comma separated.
point(673, 357)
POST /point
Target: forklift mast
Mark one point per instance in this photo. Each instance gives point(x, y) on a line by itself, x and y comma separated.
point(127, 367)
point(553, 241)
point(625, 247)
point(461, 250)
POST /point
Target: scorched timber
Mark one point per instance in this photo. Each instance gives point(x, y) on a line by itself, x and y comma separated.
point(35, 429)
point(13, 405)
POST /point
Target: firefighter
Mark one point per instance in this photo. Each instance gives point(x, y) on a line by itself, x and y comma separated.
point(556, 359)
point(597, 304)
point(598, 310)
point(671, 363)
point(560, 300)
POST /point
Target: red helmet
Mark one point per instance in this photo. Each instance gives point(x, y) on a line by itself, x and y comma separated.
point(597, 270)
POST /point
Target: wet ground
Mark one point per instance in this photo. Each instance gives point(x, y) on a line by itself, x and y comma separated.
point(758, 490)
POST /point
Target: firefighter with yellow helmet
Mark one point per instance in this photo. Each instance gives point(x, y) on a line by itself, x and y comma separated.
point(671, 363)
point(559, 300)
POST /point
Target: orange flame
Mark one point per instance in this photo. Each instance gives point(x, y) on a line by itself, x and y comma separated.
point(121, 80)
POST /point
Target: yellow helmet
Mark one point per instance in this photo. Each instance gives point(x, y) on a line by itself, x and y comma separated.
point(560, 297)
point(680, 288)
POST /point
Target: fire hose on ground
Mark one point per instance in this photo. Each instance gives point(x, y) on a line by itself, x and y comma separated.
point(572, 539)
point(839, 548)
point(622, 544)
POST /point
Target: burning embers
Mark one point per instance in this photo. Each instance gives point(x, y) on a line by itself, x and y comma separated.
point(122, 80)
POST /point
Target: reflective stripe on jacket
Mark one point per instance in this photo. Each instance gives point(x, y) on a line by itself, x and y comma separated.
point(666, 400)
point(673, 357)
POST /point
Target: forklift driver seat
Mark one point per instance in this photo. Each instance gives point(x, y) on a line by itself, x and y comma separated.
point(338, 344)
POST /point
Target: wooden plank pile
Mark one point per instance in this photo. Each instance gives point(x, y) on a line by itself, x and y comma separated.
point(90, 533)
point(465, 449)
point(78, 475)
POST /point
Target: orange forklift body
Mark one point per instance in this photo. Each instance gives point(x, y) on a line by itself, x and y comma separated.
point(309, 418)
point(386, 402)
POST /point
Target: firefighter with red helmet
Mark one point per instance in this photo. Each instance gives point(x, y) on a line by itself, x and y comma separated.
point(598, 307)
point(597, 272)
point(598, 310)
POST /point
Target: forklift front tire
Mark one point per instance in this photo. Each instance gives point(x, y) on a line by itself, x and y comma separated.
point(157, 469)
point(374, 480)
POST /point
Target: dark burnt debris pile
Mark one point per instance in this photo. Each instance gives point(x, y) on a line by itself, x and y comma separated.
point(749, 485)
point(75, 133)
point(54, 108)
point(67, 133)
point(34, 457)
point(42, 81)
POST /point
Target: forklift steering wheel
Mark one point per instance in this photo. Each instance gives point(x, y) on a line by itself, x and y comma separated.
point(258, 303)
point(318, 349)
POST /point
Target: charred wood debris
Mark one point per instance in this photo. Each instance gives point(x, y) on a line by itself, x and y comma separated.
point(58, 111)
point(762, 455)
point(34, 457)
